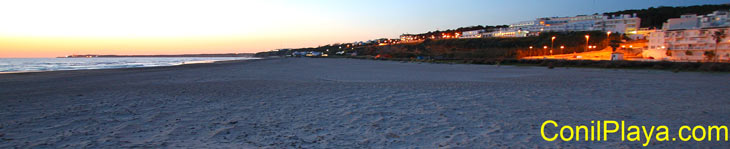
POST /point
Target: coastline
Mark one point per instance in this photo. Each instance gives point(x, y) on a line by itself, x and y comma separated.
point(196, 64)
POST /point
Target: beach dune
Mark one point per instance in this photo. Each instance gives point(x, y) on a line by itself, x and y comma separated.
point(347, 103)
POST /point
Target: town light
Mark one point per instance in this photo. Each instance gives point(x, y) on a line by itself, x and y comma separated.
point(552, 42)
point(608, 37)
point(587, 37)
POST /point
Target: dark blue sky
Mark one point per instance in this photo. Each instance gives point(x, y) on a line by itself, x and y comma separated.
point(414, 16)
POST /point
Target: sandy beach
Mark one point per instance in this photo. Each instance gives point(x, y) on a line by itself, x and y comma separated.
point(347, 103)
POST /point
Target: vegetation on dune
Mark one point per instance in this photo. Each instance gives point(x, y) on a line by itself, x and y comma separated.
point(494, 47)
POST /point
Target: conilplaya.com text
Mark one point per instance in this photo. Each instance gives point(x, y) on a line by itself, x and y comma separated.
point(602, 130)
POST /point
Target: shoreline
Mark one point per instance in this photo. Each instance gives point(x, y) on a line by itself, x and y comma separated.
point(133, 68)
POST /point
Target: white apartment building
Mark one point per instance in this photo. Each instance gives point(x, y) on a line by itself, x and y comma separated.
point(688, 21)
point(472, 34)
point(656, 49)
point(507, 32)
point(691, 44)
point(628, 24)
point(693, 21)
point(715, 19)
point(688, 38)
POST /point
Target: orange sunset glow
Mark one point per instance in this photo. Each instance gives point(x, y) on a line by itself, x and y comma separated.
point(59, 28)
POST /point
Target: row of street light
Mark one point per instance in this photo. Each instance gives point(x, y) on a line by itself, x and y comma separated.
point(588, 37)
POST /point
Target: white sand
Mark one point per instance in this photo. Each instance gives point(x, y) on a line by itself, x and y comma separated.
point(345, 103)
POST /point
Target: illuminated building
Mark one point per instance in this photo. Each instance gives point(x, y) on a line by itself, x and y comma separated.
point(688, 37)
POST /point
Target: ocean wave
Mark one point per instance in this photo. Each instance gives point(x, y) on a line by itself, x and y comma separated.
point(55, 64)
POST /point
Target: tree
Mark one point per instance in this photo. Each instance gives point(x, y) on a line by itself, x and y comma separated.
point(709, 55)
point(614, 44)
point(718, 36)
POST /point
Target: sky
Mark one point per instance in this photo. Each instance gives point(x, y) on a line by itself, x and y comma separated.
point(51, 28)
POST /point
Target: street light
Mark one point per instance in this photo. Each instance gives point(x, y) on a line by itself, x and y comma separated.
point(544, 50)
point(608, 38)
point(562, 49)
point(552, 41)
point(587, 37)
point(528, 52)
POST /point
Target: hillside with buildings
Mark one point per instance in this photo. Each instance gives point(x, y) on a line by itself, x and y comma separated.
point(697, 36)
point(655, 17)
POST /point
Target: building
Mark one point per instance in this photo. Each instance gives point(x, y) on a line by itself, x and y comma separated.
point(628, 24)
point(656, 48)
point(693, 21)
point(688, 21)
point(565, 24)
point(472, 34)
point(692, 44)
point(689, 38)
point(715, 19)
point(410, 38)
point(507, 32)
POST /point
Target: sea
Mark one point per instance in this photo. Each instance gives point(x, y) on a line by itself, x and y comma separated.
point(10, 65)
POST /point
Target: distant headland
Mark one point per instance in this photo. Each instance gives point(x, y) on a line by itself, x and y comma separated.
point(176, 55)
